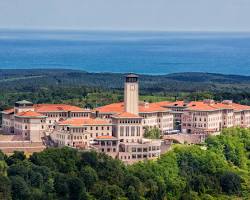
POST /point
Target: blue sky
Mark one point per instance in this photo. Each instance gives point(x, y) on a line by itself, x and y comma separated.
point(168, 15)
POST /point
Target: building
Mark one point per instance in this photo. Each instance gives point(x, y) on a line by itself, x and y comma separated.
point(80, 132)
point(118, 129)
point(208, 116)
point(33, 121)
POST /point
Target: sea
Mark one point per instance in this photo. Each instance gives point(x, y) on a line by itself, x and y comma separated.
point(124, 51)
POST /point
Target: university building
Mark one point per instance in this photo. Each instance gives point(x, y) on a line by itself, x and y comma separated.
point(208, 116)
point(118, 129)
point(115, 129)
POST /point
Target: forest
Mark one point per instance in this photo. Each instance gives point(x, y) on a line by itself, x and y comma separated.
point(95, 89)
point(219, 169)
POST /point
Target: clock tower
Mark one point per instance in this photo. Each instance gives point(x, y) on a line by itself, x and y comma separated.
point(131, 96)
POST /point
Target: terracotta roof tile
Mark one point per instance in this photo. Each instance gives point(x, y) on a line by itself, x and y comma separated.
point(84, 122)
point(126, 115)
point(234, 106)
point(116, 108)
point(8, 111)
point(56, 108)
point(152, 107)
point(105, 137)
point(30, 114)
point(200, 106)
point(111, 108)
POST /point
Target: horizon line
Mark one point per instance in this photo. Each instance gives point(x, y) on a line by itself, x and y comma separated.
point(139, 73)
point(120, 30)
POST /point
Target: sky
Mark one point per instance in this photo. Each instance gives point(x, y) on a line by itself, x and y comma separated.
point(165, 15)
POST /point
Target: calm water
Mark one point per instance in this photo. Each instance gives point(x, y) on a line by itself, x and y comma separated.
point(140, 52)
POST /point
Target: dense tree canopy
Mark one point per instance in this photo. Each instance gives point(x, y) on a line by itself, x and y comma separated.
point(95, 89)
point(218, 170)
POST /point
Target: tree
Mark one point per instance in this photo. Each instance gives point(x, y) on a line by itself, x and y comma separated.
point(1, 155)
point(20, 189)
point(36, 179)
point(89, 176)
point(17, 156)
point(104, 191)
point(231, 183)
point(76, 189)
point(153, 133)
point(61, 185)
point(5, 188)
point(18, 170)
point(132, 194)
point(3, 168)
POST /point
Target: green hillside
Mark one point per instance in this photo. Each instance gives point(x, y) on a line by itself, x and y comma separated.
point(95, 89)
point(217, 171)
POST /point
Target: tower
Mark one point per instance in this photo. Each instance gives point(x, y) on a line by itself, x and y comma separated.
point(23, 106)
point(131, 97)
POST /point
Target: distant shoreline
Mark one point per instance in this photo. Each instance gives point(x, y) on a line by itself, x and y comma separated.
point(115, 73)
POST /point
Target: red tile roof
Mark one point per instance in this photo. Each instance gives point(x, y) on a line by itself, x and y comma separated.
point(8, 111)
point(202, 106)
point(119, 108)
point(30, 114)
point(84, 122)
point(234, 106)
point(111, 108)
point(106, 137)
point(152, 107)
point(126, 115)
point(56, 108)
point(171, 104)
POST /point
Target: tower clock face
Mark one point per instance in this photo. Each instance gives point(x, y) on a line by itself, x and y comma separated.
point(132, 87)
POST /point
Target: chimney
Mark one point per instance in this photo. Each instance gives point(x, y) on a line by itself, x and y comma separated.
point(227, 102)
point(208, 101)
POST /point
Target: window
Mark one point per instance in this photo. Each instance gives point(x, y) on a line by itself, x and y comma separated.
point(138, 131)
point(132, 131)
point(121, 131)
point(127, 130)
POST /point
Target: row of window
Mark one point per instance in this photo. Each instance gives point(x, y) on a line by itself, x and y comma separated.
point(79, 137)
point(81, 130)
point(129, 121)
point(108, 150)
point(130, 131)
point(145, 149)
point(65, 114)
point(139, 156)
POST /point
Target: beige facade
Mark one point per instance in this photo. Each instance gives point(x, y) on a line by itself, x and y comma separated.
point(118, 129)
point(80, 132)
point(131, 94)
point(145, 150)
point(127, 129)
point(35, 121)
point(209, 116)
